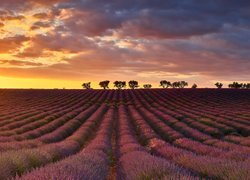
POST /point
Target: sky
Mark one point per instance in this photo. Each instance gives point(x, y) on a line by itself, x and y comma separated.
point(63, 43)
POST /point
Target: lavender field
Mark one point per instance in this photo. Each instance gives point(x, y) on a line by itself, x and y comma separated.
point(125, 134)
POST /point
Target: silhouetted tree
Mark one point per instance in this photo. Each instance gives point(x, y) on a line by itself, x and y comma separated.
point(183, 84)
point(218, 85)
point(235, 85)
point(175, 84)
point(179, 84)
point(104, 84)
point(86, 85)
point(165, 84)
point(133, 84)
point(147, 86)
point(120, 84)
point(194, 86)
point(246, 86)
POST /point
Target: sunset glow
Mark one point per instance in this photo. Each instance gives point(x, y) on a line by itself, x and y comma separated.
point(62, 43)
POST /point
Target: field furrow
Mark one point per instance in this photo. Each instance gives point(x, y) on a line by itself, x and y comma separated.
point(125, 134)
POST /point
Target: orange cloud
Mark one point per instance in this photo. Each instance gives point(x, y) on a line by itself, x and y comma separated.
point(40, 24)
point(12, 43)
point(19, 63)
point(41, 15)
point(9, 18)
point(145, 40)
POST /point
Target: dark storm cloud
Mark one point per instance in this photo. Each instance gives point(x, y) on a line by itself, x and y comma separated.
point(145, 18)
point(163, 19)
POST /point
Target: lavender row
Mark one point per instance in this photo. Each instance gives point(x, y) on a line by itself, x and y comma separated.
point(53, 132)
point(42, 105)
point(51, 111)
point(135, 162)
point(12, 121)
point(190, 132)
point(70, 111)
point(170, 152)
point(206, 165)
point(238, 125)
point(91, 163)
point(20, 161)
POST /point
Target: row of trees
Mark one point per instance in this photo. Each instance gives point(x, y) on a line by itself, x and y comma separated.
point(164, 83)
point(234, 85)
point(134, 84)
point(237, 85)
point(178, 84)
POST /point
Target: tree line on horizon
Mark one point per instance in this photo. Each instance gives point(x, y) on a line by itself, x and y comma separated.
point(134, 84)
point(164, 84)
point(234, 85)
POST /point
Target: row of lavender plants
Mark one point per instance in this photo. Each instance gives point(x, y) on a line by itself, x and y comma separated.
point(205, 165)
point(136, 162)
point(19, 161)
point(21, 107)
point(92, 162)
point(193, 133)
point(54, 131)
point(48, 109)
point(199, 122)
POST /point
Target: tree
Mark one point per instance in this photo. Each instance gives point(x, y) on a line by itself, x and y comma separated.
point(86, 85)
point(104, 84)
point(182, 84)
point(235, 85)
point(120, 84)
point(165, 84)
point(218, 85)
point(175, 84)
point(194, 86)
point(246, 86)
point(179, 84)
point(147, 86)
point(133, 84)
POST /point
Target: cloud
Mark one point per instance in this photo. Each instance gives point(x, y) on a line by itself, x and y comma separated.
point(58, 42)
point(139, 38)
point(24, 5)
point(45, 45)
point(9, 18)
point(145, 18)
point(157, 19)
point(90, 23)
point(12, 43)
point(41, 15)
point(40, 24)
point(6, 15)
point(19, 63)
point(169, 61)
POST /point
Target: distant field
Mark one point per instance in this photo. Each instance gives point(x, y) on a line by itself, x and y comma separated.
point(125, 134)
